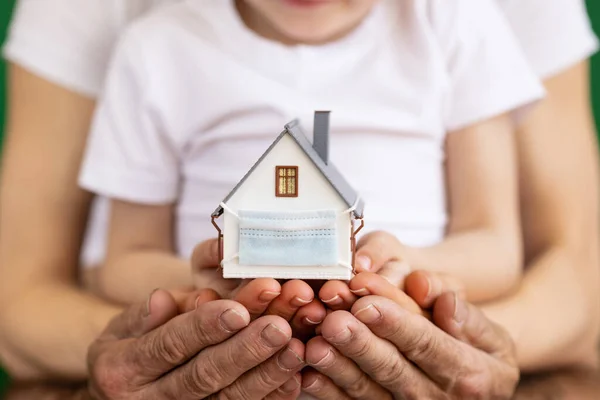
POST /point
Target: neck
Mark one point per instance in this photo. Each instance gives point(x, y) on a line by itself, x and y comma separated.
point(260, 25)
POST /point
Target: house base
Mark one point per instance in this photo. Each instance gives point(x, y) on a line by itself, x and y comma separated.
point(336, 272)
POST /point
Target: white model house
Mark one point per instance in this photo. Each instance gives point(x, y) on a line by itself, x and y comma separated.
point(293, 216)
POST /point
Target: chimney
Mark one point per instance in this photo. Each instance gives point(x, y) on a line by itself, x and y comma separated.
point(321, 135)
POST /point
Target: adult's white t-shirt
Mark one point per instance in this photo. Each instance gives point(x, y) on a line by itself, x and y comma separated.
point(70, 43)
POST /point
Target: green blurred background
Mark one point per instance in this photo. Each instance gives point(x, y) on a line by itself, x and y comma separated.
point(6, 7)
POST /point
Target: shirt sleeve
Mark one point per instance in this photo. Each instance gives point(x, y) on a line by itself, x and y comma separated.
point(554, 34)
point(64, 41)
point(488, 74)
point(128, 156)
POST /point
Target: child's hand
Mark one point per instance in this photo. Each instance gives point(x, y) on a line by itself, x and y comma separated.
point(382, 253)
point(376, 253)
point(293, 300)
point(339, 295)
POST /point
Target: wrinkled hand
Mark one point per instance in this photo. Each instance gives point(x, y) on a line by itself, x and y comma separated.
point(382, 350)
point(151, 351)
point(294, 301)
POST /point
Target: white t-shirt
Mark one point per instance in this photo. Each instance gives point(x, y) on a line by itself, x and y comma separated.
point(73, 47)
point(193, 98)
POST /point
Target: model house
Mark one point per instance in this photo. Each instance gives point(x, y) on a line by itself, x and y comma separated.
point(293, 216)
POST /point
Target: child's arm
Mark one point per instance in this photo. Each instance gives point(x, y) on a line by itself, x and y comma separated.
point(141, 255)
point(483, 243)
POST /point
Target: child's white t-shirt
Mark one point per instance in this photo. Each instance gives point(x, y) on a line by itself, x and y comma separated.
point(73, 47)
point(193, 99)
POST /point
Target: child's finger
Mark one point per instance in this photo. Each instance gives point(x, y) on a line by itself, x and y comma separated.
point(376, 249)
point(425, 287)
point(213, 278)
point(318, 328)
point(206, 255)
point(336, 295)
point(307, 319)
point(395, 272)
point(294, 294)
point(257, 294)
point(189, 300)
point(367, 284)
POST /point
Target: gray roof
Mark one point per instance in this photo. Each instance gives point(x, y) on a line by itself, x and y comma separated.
point(335, 178)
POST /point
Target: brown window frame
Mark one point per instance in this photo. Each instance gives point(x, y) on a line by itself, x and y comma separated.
point(295, 178)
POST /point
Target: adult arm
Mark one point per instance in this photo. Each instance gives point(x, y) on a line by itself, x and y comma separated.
point(554, 316)
point(42, 220)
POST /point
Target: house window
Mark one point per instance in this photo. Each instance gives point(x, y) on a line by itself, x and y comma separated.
point(286, 181)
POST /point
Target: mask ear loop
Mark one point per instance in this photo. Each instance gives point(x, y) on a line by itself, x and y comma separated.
point(353, 208)
point(233, 213)
point(229, 210)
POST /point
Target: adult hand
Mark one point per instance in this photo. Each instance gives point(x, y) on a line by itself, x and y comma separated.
point(151, 351)
point(381, 349)
point(294, 301)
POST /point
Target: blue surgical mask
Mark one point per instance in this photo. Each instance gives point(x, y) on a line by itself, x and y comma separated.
point(296, 238)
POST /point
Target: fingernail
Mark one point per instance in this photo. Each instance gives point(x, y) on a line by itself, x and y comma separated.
point(429, 289)
point(460, 310)
point(148, 309)
point(268, 296)
point(363, 263)
point(309, 385)
point(341, 337)
point(288, 359)
point(297, 301)
point(197, 302)
point(274, 336)
point(323, 360)
point(361, 292)
point(368, 315)
point(335, 300)
point(290, 385)
point(308, 321)
point(232, 321)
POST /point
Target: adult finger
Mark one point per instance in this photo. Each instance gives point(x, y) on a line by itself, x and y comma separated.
point(367, 284)
point(415, 337)
point(218, 366)
point(257, 294)
point(179, 340)
point(321, 387)
point(342, 371)
point(468, 324)
point(425, 287)
point(142, 317)
point(290, 390)
point(268, 376)
point(294, 294)
point(375, 249)
point(376, 356)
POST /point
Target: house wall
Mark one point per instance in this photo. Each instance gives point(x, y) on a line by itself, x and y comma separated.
point(258, 193)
